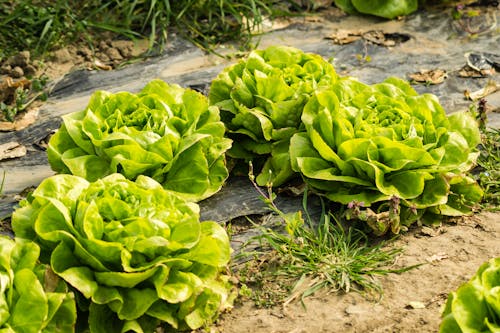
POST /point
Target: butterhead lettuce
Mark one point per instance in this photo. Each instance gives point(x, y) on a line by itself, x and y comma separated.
point(32, 298)
point(373, 144)
point(165, 132)
point(136, 253)
point(261, 100)
point(475, 305)
point(384, 8)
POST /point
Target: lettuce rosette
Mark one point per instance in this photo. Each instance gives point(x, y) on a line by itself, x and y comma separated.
point(136, 253)
point(388, 148)
point(32, 298)
point(165, 132)
point(389, 9)
point(475, 305)
point(261, 100)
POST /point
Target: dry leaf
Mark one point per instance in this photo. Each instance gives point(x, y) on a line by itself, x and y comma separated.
point(437, 257)
point(342, 36)
point(432, 232)
point(8, 86)
point(432, 76)
point(468, 71)
point(100, 65)
point(11, 150)
point(490, 88)
point(22, 121)
point(378, 37)
point(415, 305)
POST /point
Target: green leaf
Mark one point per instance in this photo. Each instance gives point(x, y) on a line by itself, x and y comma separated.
point(134, 248)
point(372, 143)
point(386, 8)
point(265, 95)
point(29, 300)
point(150, 133)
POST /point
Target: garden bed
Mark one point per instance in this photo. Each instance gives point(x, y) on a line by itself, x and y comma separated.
point(371, 50)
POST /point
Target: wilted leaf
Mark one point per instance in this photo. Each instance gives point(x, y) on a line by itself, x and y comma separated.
point(11, 150)
point(429, 76)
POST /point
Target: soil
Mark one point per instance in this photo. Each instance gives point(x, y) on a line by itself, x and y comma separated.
point(411, 301)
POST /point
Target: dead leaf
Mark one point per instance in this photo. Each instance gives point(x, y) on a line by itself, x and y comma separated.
point(23, 120)
point(100, 65)
point(11, 150)
point(429, 76)
point(342, 36)
point(468, 71)
point(385, 39)
point(415, 305)
point(431, 232)
point(8, 86)
point(490, 88)
point(378, 37)
point(437, 257)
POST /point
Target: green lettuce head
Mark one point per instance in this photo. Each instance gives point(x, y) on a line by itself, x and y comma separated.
point(383, 8)
point(261, 100)
point(137, 254)
point(475, 305)
point(368, 145)
point(165, 132)
point(32, 298)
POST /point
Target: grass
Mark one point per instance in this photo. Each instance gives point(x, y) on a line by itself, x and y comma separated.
point(487, 172)
point(43, 25)
point(22, 97)
point(306, 256)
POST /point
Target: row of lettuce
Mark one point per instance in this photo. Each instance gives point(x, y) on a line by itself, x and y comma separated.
point(116, 236)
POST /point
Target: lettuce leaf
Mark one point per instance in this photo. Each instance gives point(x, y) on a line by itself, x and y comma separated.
point(165, 132)
point(384, 8)
point(137, 252)
point(32, 298)
point(475, 305)
point(372, 143)
point(261, 100)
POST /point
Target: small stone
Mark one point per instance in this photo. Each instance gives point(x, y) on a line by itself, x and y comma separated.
point(62, 55)
point(21, 59)
point(5, 69)
point(103, 57)
point(125, 47)
point(29, 70)
point(85, 52)
point(103, 45)
point(113, 54)
point(17, 72)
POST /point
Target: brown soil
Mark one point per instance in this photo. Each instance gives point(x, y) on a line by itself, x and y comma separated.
point(411, 301)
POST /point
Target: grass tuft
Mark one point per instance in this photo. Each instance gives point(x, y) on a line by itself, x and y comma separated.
point(44, 25)
point(487, 172)
point(308, 255)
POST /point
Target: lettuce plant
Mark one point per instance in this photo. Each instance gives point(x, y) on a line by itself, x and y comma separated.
point(32, 298)
point(385, 146)
point(475, 305)
point(136, 253)
point(384, 8)
point(261, 100)
point(165, 132)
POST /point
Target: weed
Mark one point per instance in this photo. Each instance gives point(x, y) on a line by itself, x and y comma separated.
point(311, 255)
point(488, 169)
point(23, 96)
point(42, 25)
point(487, 172)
